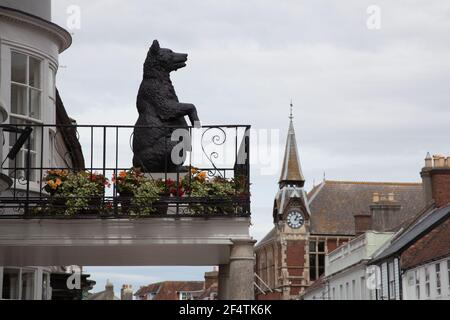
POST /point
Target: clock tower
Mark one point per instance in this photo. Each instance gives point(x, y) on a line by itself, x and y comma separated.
point(282, 256)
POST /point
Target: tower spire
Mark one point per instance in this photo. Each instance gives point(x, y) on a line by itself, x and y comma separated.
point(291, 115)
point(291, 172)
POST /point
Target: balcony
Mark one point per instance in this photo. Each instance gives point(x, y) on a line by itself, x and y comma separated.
point(85, 172)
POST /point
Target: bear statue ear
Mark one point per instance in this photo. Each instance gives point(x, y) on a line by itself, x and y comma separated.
point(154, 49)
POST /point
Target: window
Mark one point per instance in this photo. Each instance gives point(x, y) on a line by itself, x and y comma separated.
point(11, 284)
point(362, 293)
point(391, 281)
point(316, 259)
point(438, 278)
point(151, 295)
point(186, 296)
point(353, 297)
point(341, 292)
point(28, 278)
point(417, 278)
point(347, 292)
point(26, 91)
point(448, 275)
point(427, 282)
point(45, 286)
point(334, 293)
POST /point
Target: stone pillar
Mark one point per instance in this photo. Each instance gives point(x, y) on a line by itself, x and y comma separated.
point(224, 278)
point(242, 270)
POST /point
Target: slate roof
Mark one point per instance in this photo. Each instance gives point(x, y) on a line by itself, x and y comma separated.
point(415, 231)
point(69, 134)
point(334, 203)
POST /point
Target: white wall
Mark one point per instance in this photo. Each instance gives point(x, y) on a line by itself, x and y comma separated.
point(409, 286)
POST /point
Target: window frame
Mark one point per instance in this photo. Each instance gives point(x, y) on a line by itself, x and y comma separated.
point(318, 269)
point(427, 282)
point(16, 117)
point(417, 283)
point(437, 270)
point(19, 282)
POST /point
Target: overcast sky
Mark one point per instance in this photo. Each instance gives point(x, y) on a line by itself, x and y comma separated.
point(369, 103)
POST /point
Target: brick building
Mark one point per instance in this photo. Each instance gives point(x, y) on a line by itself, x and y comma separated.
point(307, 226)
point(181, 290)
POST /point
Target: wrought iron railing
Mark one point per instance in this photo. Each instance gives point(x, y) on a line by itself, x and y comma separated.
point(53, 169)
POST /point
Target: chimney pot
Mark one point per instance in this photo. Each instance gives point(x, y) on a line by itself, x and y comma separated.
point(376, 197)
point(391, 196)
point(439, 161)
point(428, 161)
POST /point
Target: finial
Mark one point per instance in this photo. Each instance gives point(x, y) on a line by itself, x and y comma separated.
point(291, 115)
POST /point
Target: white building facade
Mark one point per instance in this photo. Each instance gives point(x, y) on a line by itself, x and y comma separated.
point(30, 45)
point(430, 281)
point(25, 283)
point(346, 276)
point(29, 49)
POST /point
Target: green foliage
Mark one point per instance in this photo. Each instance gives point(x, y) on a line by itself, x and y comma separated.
point(145, 195)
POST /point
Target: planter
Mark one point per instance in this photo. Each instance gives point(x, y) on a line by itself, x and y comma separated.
point(124, 199)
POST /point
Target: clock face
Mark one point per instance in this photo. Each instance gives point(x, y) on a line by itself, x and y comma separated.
point(295, 219)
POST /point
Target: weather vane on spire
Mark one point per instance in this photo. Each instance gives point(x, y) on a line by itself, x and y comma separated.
point(291, 115)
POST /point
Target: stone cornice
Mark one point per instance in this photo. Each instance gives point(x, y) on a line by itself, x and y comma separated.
point(62, 37)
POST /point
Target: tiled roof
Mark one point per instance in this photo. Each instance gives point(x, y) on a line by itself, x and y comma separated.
point(169, 290)
point(334, 203)
point(432, 246)
point(211, 291)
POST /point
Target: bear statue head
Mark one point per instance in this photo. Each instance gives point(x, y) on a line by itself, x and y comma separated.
point(163, 59)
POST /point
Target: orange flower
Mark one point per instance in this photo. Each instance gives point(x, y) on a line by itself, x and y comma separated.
point(202, 176)
point(193, 171)
point(52, 184)
point(122, 174)
point(58, 182)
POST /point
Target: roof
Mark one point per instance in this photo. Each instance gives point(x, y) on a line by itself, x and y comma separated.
point(319, 283)
point(415, 231)
point(69, 134)
point(291, 170)
point(212, 291)
point(268, 237)
point(107, 294)
point(432, 246)
point(169, 290)
point(286, 194)
point(333, 204)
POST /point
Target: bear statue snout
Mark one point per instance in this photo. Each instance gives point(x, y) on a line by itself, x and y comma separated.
point(179, 60)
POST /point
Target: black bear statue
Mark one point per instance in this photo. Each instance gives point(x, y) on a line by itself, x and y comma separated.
point(160, 112)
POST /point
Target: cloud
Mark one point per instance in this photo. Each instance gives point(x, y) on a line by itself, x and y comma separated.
point(369, 104)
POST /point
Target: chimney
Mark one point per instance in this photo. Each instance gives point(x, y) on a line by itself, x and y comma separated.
point(436, 180)
point(384, 212)
point(109, 288)
point(363, 222)
point(211, 278)
point(126, 293)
